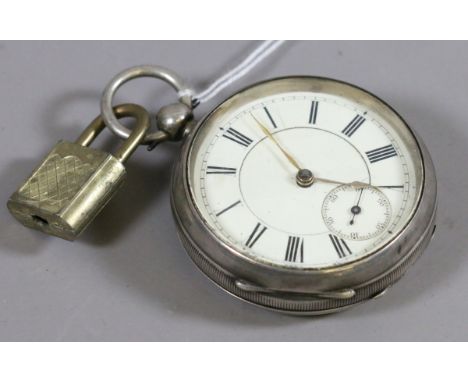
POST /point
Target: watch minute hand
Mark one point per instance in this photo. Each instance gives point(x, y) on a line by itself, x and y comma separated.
point(270, 135)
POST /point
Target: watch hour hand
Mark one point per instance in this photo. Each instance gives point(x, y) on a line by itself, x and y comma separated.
point(356, 209)
point(356, 184)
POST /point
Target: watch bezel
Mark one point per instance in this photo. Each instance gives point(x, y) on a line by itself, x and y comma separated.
point(353, 274)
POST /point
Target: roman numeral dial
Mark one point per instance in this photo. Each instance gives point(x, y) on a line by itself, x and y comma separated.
point(220, 170)
point(294, 250)
point(270, 117)
point(352, 126)
point(381, 153)
point(237, 137)
point(340, 246)
point(228, 208)
point(313, 112)
point(257, 232)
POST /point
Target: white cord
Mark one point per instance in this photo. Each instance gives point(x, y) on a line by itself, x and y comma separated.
point(244, 67)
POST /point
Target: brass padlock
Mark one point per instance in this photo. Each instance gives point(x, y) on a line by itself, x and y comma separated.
point(74, 182)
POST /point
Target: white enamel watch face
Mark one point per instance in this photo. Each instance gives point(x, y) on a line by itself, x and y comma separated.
point(304, 179)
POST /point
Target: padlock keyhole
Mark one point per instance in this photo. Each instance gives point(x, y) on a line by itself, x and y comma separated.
point(38, 220)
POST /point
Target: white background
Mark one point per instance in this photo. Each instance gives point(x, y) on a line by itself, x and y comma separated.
point(128, 277)
point(429, 70)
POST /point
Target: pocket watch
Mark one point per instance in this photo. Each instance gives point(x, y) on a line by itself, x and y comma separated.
point(301, 194)
point(304, 195)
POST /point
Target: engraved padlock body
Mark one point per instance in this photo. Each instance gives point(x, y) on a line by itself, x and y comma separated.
point(74, 182)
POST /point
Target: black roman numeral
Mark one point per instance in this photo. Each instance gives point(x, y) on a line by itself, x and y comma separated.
point(340, 246)
point(270, 118)
point(355, 124)
point(294, 249)
point(237, 137)
point(313, 112)
point(255, 235)
point(381, 153)
point(220, 170)
point(228, 208)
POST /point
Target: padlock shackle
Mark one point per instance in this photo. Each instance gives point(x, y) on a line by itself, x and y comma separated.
point(132, 142)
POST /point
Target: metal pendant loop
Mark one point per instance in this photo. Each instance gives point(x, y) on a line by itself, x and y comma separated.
point(159, 72)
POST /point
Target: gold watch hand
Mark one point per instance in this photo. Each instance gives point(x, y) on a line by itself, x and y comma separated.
point(304, 177)
point(356, 184)
point(270, 135)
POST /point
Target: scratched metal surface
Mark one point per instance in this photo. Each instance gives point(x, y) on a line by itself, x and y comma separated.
point(128, 277)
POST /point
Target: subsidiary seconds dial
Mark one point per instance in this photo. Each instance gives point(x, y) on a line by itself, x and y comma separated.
point(356, 213)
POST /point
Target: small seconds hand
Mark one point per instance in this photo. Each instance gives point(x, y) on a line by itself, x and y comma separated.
point(356, 209)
